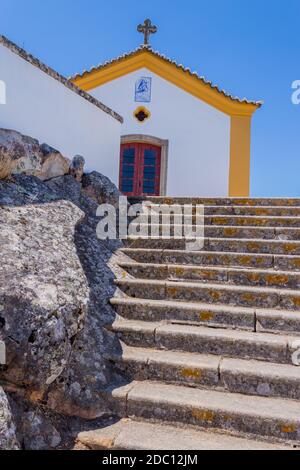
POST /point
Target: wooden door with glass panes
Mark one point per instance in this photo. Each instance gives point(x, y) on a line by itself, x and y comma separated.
point(140, 167)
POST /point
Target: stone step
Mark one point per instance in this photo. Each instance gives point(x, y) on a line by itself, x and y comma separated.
point(291, 202)
point(268, 211)
point(230, 220)
point(244, 296)
point(237, 276)
point(252, 221)
point(213, 231)
point(229, 374)
point(198, 339)
point(213, 258)
point(217, 316)
point(235, 245)
point(274, 418)
point(128, 434)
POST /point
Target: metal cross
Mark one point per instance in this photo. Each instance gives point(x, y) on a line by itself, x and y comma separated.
point(147, 28)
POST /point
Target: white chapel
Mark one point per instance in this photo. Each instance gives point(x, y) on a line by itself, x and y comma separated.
point(181, 136)
point(152, 126)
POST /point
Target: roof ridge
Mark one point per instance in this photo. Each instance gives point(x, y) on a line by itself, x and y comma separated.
point(57, 76)
point(171, 61)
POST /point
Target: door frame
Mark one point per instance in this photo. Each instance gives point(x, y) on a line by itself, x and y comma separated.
point(163, 144)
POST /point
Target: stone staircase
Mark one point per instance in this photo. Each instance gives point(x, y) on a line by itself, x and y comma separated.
point(208, 336)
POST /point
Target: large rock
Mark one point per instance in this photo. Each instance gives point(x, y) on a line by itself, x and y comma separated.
point(23, 154)
point(90, 371)
point(43, 293)
point(56, 356)
point(100, 188)
point(8, 439)
point(53, 164)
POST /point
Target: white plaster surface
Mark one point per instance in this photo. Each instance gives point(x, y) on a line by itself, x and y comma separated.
point(41, 107)
point(198, 134)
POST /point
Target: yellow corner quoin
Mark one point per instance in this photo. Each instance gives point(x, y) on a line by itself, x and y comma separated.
point(239, 168)
point(240, 112)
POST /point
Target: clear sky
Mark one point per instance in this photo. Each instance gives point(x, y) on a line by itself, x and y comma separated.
point(248, 47)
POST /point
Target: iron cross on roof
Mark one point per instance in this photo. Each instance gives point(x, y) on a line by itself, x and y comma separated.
point(147, 28)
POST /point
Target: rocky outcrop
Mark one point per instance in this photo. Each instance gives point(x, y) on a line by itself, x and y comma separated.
point(23, 154)
point(89, 372)
point(43, 292)
point(56, 282)
point(100, 188)
point(53, 164)
point(8, 439)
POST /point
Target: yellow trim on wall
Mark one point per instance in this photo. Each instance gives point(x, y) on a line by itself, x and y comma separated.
point(239, 171)
point(183, 79)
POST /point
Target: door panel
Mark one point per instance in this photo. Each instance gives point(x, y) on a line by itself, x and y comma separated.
point(151, 157)
point(140, 167)
point(128, 169)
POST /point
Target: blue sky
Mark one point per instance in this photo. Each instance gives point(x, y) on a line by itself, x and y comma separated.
point(249, 48)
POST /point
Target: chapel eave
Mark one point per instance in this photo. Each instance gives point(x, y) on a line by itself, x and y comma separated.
point(191, 82)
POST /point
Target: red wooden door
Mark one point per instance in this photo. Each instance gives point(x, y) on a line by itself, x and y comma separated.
point(140, 167)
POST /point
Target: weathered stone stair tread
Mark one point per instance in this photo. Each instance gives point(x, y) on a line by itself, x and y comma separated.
point(239, 275)
point(248, 296)
point(236, 245)
point(252, 220)
point(231, 374)
point(241, 220)
point(155, 282)
point(213, 258)
point(140, 435)
point(260, 211)
point(219, 201)
point(229, 231)
point(199, 339)
point(269, 417)
point(223, 316)
point(277, 211)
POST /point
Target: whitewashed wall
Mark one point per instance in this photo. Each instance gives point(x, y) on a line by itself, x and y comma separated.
point(41, 107)
point(198, 134)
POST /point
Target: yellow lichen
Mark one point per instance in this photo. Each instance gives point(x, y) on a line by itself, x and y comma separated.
point(179, 271)
point(276, 278)
point(288, 428)
point(230, 232)
point(191, 373)
point(206, 316)
point(203, 415)
point(244, 260)
point(168, 202)
point(296, 301)
point(172, 290)
point(248, 297)
point(215, 295)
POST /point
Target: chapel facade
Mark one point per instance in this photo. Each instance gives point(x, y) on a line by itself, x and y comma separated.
point(181, 136)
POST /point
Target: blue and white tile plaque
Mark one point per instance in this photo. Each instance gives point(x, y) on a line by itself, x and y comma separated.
point(143, 90)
